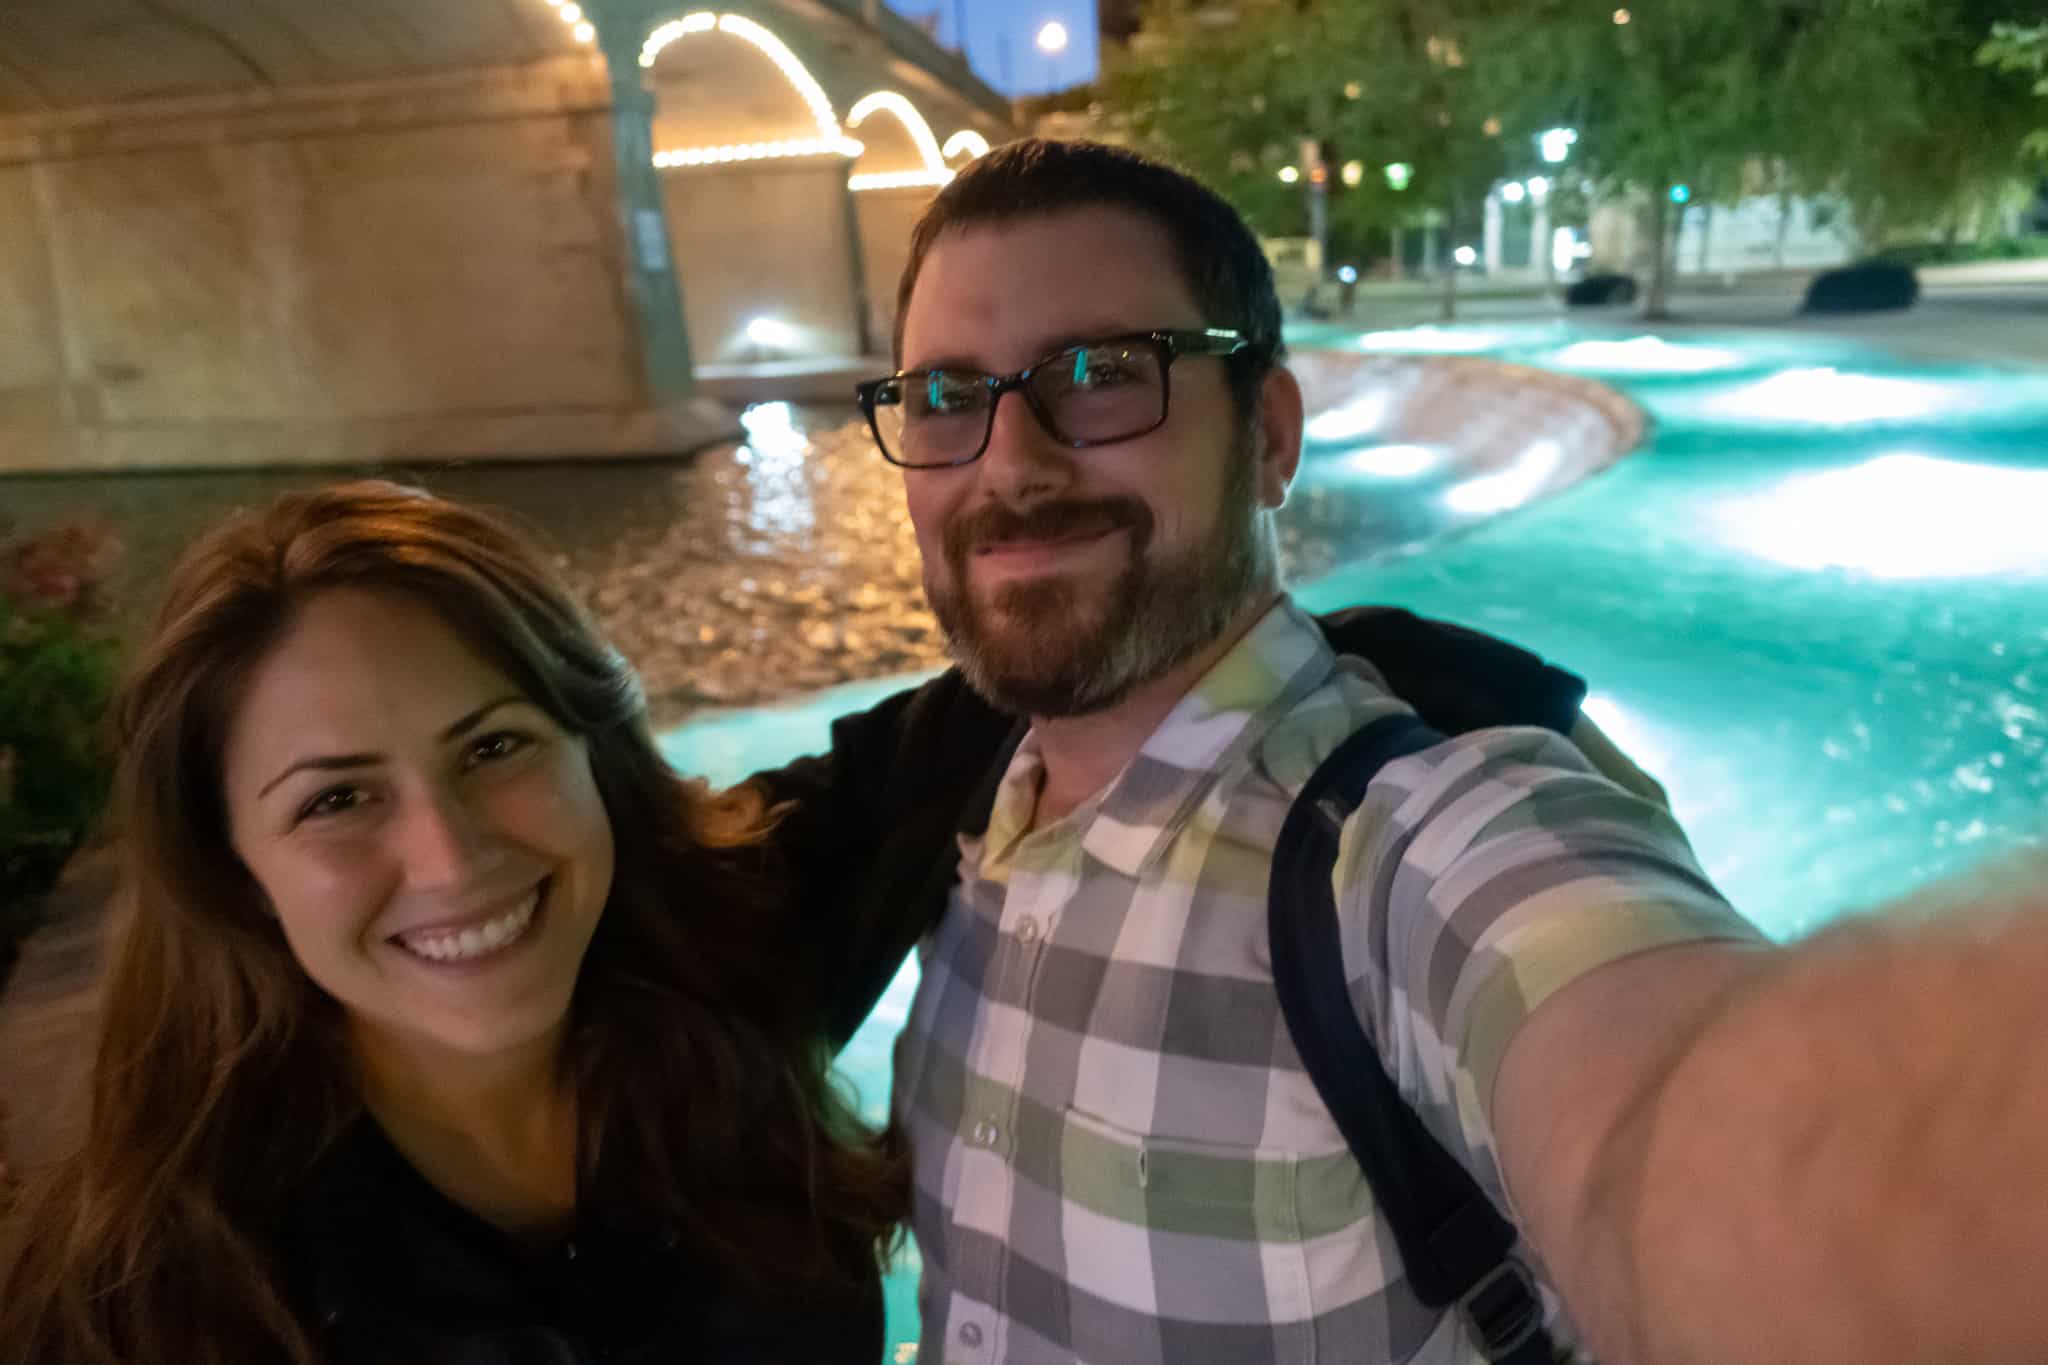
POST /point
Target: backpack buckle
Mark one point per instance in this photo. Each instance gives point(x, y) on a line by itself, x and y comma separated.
point(1504, 1310)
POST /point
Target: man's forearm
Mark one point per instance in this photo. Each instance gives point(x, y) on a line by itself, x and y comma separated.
point(1848, 1163)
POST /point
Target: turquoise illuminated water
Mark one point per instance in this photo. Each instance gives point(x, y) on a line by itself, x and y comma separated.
point(1815, 604)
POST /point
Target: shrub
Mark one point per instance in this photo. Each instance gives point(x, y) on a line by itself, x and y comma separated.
point(58, 660)
point(1873, 286)
point(1600, 290)
point(1963, 253)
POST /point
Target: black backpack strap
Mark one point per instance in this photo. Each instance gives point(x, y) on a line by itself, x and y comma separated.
point(1455, 1245)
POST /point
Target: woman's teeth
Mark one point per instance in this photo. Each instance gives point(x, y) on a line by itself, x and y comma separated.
point(475, 941)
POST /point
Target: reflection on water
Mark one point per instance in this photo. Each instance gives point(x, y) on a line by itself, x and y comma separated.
point(736, 575)
point(773, 457)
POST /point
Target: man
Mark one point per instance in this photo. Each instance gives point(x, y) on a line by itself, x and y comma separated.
point(1707, 1143)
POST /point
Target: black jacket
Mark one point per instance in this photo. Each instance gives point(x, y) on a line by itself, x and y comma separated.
point(387, 1270)
point(869, 837)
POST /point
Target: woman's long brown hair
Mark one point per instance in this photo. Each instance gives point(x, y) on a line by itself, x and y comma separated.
point(220, 1077)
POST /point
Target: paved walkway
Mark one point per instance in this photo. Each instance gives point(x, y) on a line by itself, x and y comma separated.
point(1993, 312)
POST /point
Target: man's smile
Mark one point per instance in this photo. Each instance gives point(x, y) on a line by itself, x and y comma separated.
point(1027, 555)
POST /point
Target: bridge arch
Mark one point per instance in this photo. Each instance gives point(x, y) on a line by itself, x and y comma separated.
point(753, 162)
point(919, 165)
point(964, 146)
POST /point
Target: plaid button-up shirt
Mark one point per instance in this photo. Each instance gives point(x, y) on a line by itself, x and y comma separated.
point(1119, 1158)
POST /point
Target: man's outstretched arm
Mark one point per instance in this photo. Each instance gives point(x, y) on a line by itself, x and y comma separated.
point(1829, 1153)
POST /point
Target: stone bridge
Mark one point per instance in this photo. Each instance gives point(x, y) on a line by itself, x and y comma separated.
point(340, 231)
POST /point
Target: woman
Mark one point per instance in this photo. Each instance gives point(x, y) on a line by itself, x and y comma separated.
point(445, 1023)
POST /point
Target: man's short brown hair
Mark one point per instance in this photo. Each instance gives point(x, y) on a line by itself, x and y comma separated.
point(1219, 256)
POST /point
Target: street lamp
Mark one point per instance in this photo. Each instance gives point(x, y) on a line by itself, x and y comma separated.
point(1556, 144)
point(1052, 41)
point(1289, 174)
point(1398, 174)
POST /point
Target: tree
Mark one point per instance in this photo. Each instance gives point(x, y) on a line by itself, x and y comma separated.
point(1884, 104)
point(1232, 94)
point(1877, 102)
point(1889, 107)
point(2022, 49)
point(1676, 92)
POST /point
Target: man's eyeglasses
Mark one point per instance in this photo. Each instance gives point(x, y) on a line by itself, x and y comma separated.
point(1091, 394)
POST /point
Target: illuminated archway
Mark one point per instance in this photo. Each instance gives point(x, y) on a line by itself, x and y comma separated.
point(572, 14)
point(965, 143)
point(933, 172)
point(831, 139)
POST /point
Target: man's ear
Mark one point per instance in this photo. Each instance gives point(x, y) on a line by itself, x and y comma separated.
point(1276, 435)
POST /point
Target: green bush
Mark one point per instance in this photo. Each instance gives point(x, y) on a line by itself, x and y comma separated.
point(1962, 253)
point(58, 662)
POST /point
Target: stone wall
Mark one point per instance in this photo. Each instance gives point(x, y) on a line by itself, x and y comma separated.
point(887, 218)
point(324, 276)
point(773, 241)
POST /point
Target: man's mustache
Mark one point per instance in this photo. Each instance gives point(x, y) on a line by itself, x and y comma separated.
point(998, 524)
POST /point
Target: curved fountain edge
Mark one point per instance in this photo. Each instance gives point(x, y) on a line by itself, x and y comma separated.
point(1452, 402)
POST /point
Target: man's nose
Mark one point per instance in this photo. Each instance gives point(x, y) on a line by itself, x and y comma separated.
point(1022, 460)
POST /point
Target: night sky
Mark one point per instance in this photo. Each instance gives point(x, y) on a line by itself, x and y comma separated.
point(1001, 39)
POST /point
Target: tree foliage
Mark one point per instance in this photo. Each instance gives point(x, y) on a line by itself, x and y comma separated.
point(1886, 104)
point(1939, 136)
point(2022, 50)
point(1232, 96)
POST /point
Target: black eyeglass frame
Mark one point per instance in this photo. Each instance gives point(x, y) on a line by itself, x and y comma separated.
point(1172, 345)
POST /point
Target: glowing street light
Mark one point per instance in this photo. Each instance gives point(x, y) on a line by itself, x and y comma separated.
point(1052, 39)
point(1556, 144)
point(1622, 16)
point(1398, 175)
point(1539, 187)
point(1514, 192)
point(1289, 174)
point(1354, 172)
point(771, 334)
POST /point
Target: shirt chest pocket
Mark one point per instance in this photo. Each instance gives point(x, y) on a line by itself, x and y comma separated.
point(1206, 1238)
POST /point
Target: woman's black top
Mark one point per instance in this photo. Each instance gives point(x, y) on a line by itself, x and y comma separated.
point(389, 1271)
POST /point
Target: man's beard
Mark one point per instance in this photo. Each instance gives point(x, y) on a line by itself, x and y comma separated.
point(1047, 647)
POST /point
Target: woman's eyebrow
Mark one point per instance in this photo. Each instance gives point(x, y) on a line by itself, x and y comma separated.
point(339, 762)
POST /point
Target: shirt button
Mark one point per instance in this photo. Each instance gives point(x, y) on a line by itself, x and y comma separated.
point(985, 1134)
point(970, 1332)
point(1028, 931)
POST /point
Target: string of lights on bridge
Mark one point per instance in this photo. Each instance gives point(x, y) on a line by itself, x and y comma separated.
point(832, 140)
